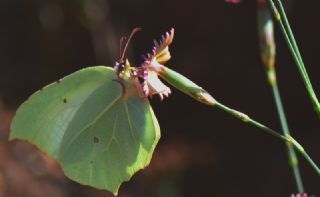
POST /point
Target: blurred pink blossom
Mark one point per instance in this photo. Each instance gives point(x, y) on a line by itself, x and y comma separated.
point(300, 195)
point(233, 1)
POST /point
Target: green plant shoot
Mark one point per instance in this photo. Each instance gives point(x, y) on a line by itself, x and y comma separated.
point(281, 18)
point(268, 53)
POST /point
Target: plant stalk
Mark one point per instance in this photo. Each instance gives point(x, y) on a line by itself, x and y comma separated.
point(293, 160)
point(198, 93)
point(288, 139)
point(268, 56)
point(284, 24)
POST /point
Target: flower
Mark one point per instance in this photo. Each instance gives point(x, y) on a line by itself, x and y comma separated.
point(152, 66)
point(300, 195)
point(233, 1)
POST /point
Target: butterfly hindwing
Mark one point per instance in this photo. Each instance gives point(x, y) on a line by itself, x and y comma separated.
point(100, 137)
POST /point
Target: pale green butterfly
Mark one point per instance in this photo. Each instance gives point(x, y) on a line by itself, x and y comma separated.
point(97, 122)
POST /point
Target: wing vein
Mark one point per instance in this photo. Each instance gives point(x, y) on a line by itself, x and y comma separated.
point(130, 123)
point(113, 132)
point(90, 123)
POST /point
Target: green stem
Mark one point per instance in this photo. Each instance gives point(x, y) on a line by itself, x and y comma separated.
point(284, 24)
point(313, 164)
point(293, 161)
point(288, 139)
point(248, 120)
point(268, 52)
point(190, 88)
point(288, 28)
point(301, 67)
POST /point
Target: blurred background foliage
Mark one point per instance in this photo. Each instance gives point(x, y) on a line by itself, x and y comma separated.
point(202, 152)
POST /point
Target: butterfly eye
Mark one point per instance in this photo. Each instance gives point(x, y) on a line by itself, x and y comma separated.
point(119, 67)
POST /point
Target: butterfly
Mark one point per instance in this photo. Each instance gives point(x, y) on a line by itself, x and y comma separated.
point(97, 123)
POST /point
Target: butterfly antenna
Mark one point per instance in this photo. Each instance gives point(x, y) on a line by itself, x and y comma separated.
point(122, 41)
point(123, 47)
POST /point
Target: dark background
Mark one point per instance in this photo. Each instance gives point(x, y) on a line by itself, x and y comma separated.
point(203, 151)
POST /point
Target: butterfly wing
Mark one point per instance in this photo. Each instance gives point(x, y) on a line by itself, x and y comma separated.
point(99, 137)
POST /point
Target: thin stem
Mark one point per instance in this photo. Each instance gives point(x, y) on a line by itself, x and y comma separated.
point(293, 161)
point(288, 139)
point(268, 52)
point(190, 88)
point(313, 164)
point(302, 65)
point(288, 28)
point(283, 22)
point(247, 119)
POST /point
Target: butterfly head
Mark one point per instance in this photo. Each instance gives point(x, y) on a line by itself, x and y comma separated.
point(146, 75)
point(122, 66)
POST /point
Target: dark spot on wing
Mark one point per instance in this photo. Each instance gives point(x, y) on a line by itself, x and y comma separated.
point(65, 100)
point(96, 140)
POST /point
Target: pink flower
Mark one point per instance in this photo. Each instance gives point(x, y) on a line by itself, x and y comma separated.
point(153, 66)
point(233, 1)
point(300, 195)
point(145, 77)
